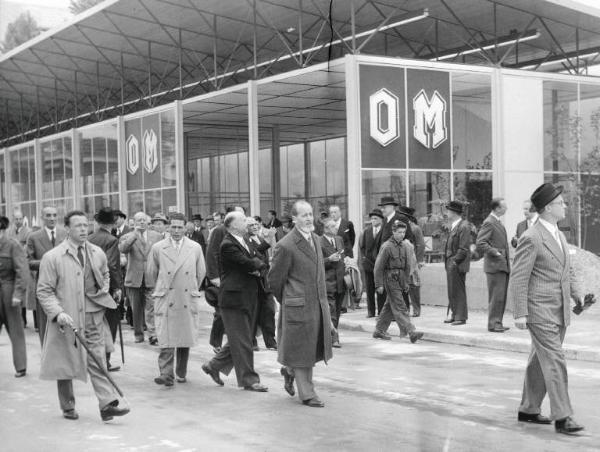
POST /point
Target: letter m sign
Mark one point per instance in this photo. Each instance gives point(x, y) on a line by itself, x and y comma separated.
point(430, 119)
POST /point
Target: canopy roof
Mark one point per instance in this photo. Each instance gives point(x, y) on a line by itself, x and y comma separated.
point(127, 55)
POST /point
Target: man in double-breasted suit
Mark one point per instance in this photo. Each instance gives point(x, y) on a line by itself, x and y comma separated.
point(108, 243)
point(530, 218)
point(457, 259)
point(297, 277)
point(238, 298)
point(368, 245)
point(333, 258)
point(541, 286)
point(136, 246)
point(344, 229)
point(492, 243)
point(73, 290)
point(388, 206)
point(175, 271)
point(39, 243)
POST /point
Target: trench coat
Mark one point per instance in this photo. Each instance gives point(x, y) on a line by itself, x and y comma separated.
point(176, 280)
point(297, 278)
point(61, 289)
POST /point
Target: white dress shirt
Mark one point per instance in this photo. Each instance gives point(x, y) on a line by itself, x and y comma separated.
point(553, 230)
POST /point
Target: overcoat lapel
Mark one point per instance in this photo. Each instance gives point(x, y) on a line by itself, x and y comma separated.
point(550, 243)
point(184, 254)
point(305, 247)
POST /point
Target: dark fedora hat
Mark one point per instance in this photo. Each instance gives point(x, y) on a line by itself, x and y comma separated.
point(105, 216)
point(544, 194)
point(455, 206)
point(376, 213)
point(197, 217)
point(158, 216)
point(388, 201)
point(119, 213)
point(407, 212)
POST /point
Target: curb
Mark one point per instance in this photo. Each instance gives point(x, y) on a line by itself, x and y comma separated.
point(578, 353)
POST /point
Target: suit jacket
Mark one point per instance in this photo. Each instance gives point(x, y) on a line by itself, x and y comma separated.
point(213, 252)
point(492, 240)
point(346, 232)
point(521, 228)
point(369, 246)
point(21, 236)
point(297, 278)
point(198, 237)
point(542, 281)
point(419, 242)
point(386, 229)
point(137, 254)
point(110, 245)
point(117, 234)
point(458, 250)
point(38, 244)
point(334, 271)
point(14, 274)
point(239, 287)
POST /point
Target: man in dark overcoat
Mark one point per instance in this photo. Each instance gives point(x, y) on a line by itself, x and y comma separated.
point(368, 243)
point(297, 278)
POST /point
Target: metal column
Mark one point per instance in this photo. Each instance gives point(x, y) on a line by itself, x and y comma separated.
point(253, 145)
point(180, 158)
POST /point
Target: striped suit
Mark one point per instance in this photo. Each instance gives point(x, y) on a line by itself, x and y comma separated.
point(541, 285)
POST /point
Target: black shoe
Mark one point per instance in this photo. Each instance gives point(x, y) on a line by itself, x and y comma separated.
point(416, 314)
point(415, 336)
point(71, 414)
point(20, 373)
point(272, 346)
point(214, 374)
point(153, 341)
point(567, 426)
point(533, 418)
point(336, 344)
point(163, 381)
point(315, 402)
point(369, 316)
point(288, 381)
point(449, 321)
point(458, 322)
point(256, 387)
point(381, 335)
point(255, 348)
point(497, 330)
point(139, 339)
point(181, 380)
point(111, 410)
point(112, 368)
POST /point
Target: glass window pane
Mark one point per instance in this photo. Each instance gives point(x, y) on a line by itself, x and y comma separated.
point(100, 166)
point(167, 140)
point(135, 201)
point(58, 168)
point(570, 225)
point(376, 184)
point(472, 121)
point(292, 175)
point(153, 202)
point(47, 191)
point(561, 124)
point(474, 189)
point(85, 150)
point(31, 177)
point(589, 112)
point(318, 170)
point(113, 165)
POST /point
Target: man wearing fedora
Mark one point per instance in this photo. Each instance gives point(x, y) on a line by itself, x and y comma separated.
point(457, 259)
point(367, 243)
point(390, 214)
point(108, 243)
point(159, 224)
point(492, 243)
point(541, 286)
point(198, 233)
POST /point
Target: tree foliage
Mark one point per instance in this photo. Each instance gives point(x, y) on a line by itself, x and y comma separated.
point(79, 6)
point(21, 30)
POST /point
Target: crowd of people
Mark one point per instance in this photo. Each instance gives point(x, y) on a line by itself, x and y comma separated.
point(83, 279)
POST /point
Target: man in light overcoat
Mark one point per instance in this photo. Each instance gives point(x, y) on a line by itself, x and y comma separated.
point(73, 289)
point(175, 271)
point(541, 286)
point(297, 278)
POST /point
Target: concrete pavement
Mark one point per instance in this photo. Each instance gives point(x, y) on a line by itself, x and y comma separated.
point(379, 396)
point(582, 341)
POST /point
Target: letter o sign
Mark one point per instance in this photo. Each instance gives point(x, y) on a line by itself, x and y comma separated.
point(383, 117)
point(132, 149)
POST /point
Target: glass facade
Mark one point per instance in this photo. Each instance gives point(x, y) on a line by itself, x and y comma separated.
point(572, 156)
point(459, 167)
point(57, 174)
point(99, 163)
point(22, 182)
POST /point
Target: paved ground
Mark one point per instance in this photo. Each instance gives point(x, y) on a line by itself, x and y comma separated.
point(379, 396)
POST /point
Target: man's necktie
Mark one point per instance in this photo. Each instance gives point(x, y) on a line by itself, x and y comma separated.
point(80, 255)
point(52, 239)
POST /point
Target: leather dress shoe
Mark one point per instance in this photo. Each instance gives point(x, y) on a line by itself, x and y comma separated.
point(567, 426)
point(256, 387)
point(336, 344)
point(369, 316)
point(214, 374)
point(288, 381)
point(112, 368)
point(139, 339)
point(315, 402)
point(381, 335)
point(111, 410)
point(153, 341)
point(496, 330)
point(449, 321)
point(71, 415)
point(458, 322)
point(181, 379)
point(20, 373)
point(415, 336)
point(533, 418)
point(163, 381)
point(271, 345)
